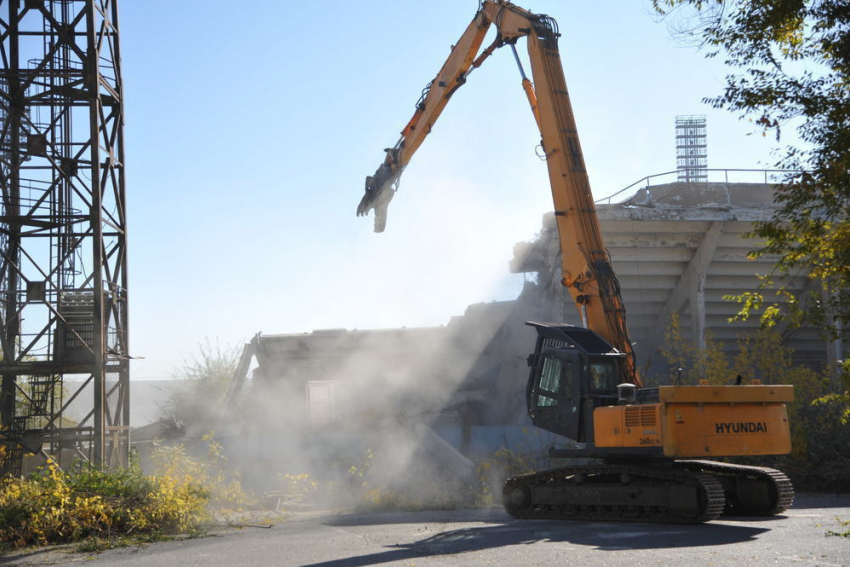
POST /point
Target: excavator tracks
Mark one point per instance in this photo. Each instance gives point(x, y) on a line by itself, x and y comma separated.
point(614, 492)
point(680, 492)
point(749, 491)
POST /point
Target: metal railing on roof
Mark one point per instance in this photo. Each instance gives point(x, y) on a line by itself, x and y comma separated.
point(766, 176)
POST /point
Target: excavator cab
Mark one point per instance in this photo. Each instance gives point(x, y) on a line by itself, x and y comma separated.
point(572, 372)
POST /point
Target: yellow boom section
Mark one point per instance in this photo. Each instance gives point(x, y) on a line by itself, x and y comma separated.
point(587, 271)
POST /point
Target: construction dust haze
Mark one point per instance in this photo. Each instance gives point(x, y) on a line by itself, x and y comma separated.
point(364, 408)
point(405, 416)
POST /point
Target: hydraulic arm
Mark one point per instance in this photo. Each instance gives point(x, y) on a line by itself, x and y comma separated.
point(587, 272)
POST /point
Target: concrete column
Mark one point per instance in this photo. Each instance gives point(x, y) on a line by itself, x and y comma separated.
point(691, 288)
point(697, 303)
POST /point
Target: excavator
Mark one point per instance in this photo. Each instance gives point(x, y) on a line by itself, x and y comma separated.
point(635, 453)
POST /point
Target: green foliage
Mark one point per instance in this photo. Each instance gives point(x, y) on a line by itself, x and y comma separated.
point(695, 364)
point(820, 429)
point(222, 486)
point(845, 533)
point(204, 382)
point(298, 488)
point(842, 399)
point(359, 486)
point(106, 509)
point(58, 506)
point(368, 490)
point(794, 62)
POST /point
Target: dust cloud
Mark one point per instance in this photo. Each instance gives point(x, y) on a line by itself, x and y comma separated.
point(359, 410)
point(428, 416)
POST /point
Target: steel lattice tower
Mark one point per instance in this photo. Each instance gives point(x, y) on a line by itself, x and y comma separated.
point(63, 256)
point(691, 149)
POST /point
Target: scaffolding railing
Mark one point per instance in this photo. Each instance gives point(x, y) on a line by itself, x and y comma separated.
point(764, 176)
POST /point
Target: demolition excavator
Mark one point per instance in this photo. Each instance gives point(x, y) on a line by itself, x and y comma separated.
point(635, 453)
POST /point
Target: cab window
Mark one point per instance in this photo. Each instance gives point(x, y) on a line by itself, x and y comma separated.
point(550, 382)
point(603, 375)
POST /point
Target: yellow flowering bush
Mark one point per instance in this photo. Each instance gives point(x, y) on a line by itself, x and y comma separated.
point(85, 503)
point(298, 488)
point(57, 506)
point(222, 486)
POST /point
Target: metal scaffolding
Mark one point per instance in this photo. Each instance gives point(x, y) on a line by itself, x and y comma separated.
point(63, 262)
point(691, 149)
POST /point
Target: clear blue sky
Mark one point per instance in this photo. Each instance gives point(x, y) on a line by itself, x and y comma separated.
point(251, 126)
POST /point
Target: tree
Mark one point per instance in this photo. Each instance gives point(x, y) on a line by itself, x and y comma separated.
point(792, 69)
point(204, 381)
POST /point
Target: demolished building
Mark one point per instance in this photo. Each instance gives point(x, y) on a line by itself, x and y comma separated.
point(678, 248)
point(681, 249)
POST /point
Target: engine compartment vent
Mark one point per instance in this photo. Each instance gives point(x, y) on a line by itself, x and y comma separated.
point(640, 416)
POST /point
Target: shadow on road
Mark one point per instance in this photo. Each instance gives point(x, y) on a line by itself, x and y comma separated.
point(812, 501)
point(604, 536)
point(15, 557)
point(753, 519)
point(479, 515)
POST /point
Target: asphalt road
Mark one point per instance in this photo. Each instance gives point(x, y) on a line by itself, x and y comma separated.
point(491, 538)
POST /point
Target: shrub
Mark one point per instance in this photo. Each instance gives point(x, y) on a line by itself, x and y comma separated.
point(298, 488)
point(84, 503)
point(222, 486)
point(56, 506)
point(203, 381)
